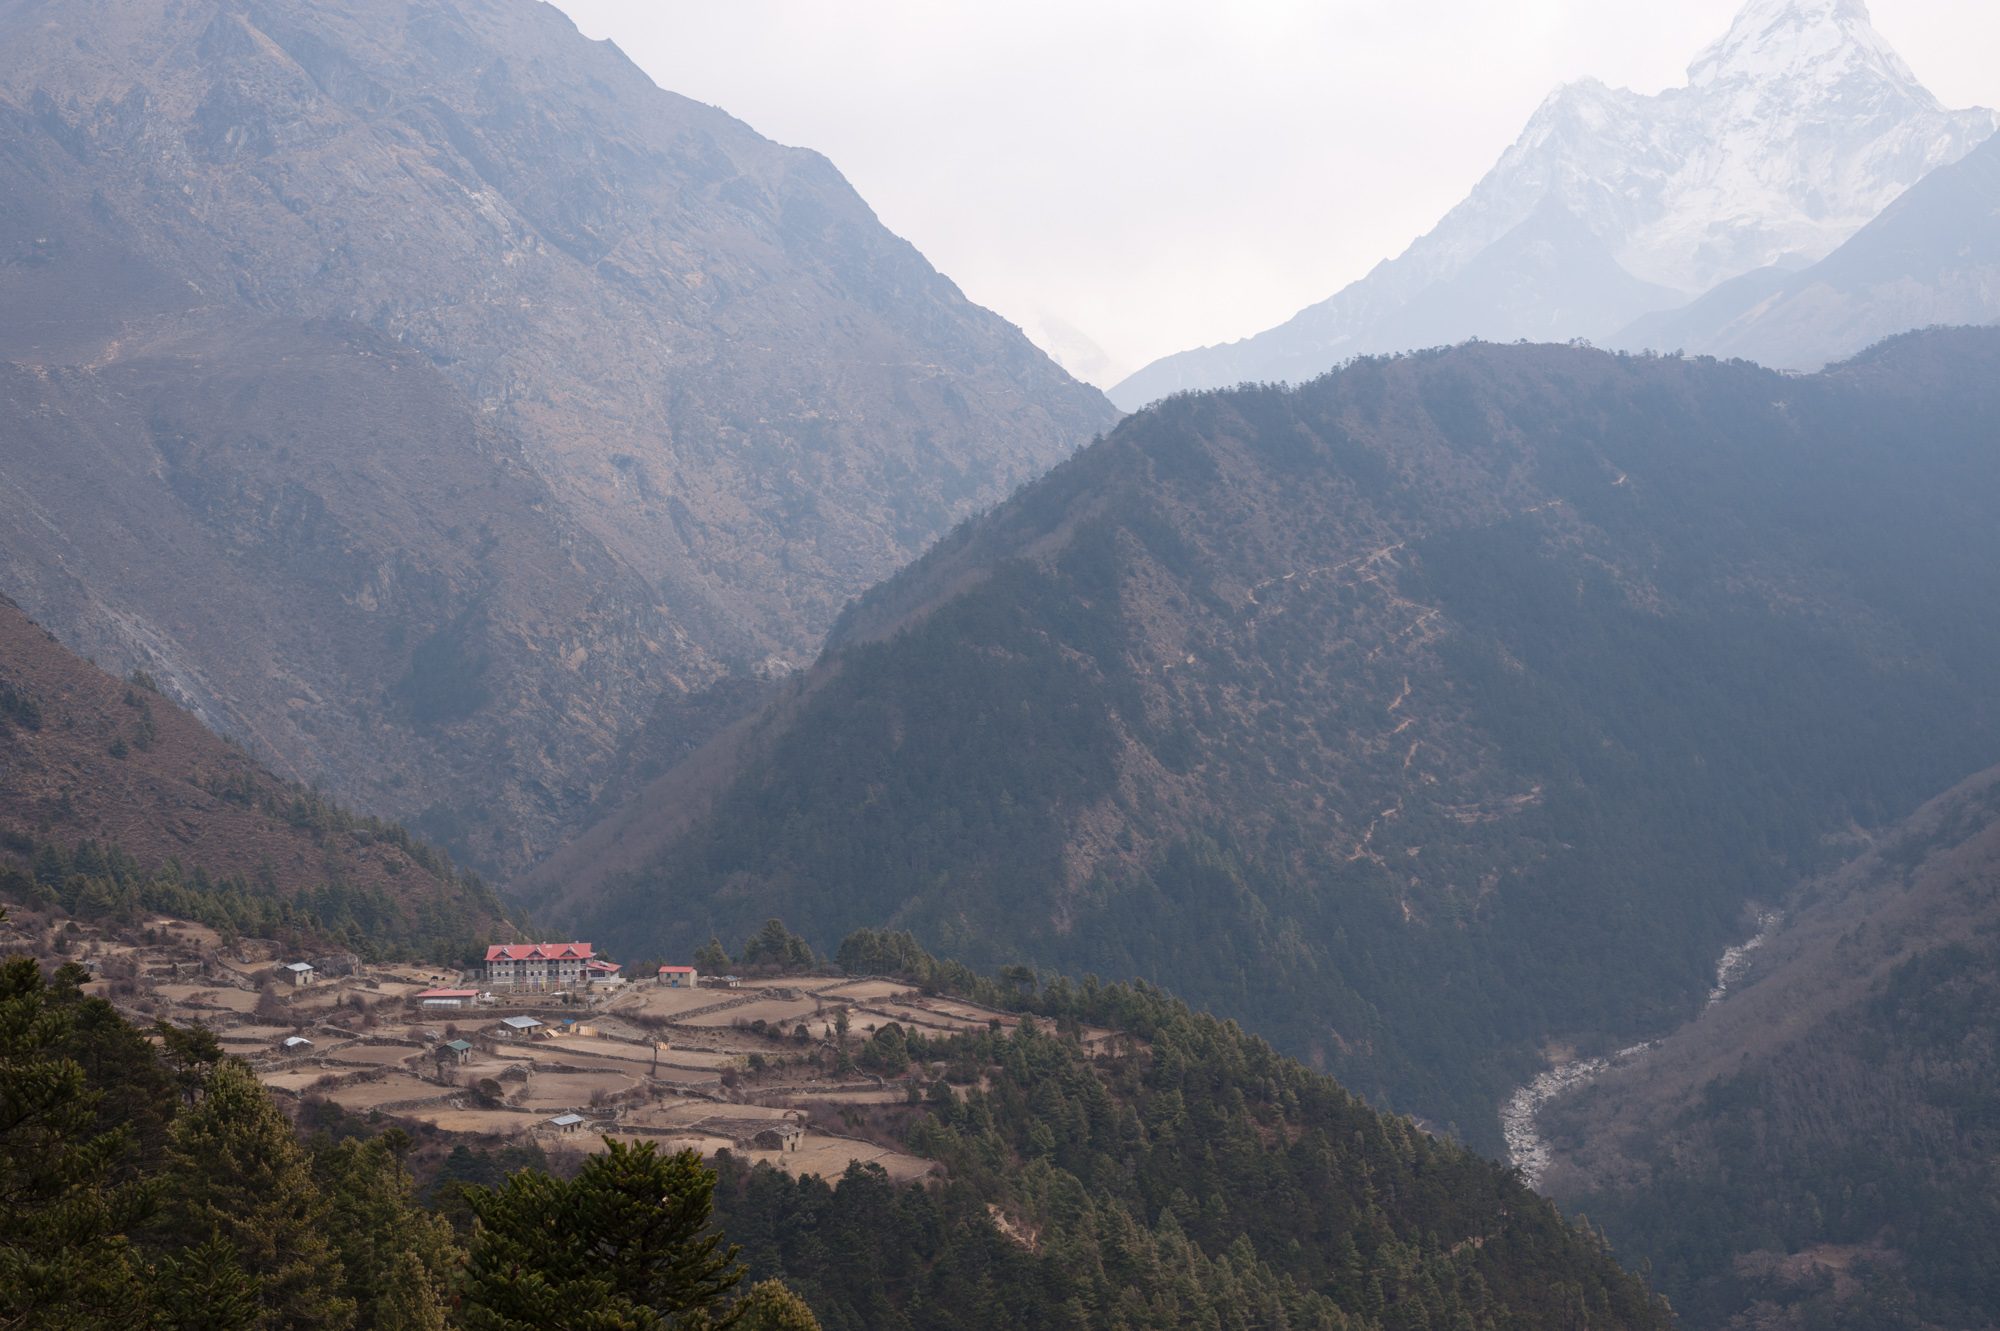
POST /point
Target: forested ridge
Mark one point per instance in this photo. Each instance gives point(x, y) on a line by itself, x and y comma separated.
point(107, 885)
point(1444, 707)
point(115, 802)
point(1191, 1176)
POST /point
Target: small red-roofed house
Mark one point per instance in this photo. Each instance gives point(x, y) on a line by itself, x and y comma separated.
point(679, 977)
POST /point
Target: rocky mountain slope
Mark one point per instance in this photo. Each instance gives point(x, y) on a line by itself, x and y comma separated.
point(1932, 257)
point(313, 541)
point(1794, 130)
point(714, 397)
point(88, 760)
point(1436, 709)
point(1822, 1148)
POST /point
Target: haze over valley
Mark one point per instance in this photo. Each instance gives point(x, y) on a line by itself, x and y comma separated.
point(587, 740)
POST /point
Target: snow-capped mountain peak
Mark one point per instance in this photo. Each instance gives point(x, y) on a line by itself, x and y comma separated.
point(1789, 41)
point(1793, 131)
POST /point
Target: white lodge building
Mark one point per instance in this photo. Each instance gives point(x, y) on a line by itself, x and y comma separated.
point(538, 966)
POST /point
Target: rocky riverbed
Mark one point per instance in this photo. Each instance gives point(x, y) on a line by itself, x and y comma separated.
point(1526, 1148)
point(1736, 960)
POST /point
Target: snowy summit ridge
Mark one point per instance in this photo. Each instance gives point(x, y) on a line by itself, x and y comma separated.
point(1794, 130)
point(1792, 38)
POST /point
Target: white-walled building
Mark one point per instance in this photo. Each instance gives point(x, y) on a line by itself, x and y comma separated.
point(447, 998)
point(537, 966)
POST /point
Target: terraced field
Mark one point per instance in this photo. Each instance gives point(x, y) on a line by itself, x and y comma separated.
point(683, 1067)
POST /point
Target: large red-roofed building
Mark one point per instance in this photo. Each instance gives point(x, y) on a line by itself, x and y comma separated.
point(537, 965)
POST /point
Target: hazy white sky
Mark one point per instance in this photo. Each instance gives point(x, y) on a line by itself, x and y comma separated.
point(1144, 176)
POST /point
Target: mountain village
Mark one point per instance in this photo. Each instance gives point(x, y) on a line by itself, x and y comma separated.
point(543, 1042)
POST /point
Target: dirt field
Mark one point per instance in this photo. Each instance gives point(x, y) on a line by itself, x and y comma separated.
point(207, 995)
point(570, 1090)
point(660, 1001)
point(558, 1056)
point(923, 1020)
point(586, 1044)
point(668, 1113)
point(396, 988)
point(764, 1009)
point(253, 1034)
point(186, 933)
point(707, 1145)
point(366, 1095)
point(883, 1095)
point(686, 1078)
point(829, 1157)
point(866, 991)
point(700, 1058)
point(373, 1055)
point(484, 1122)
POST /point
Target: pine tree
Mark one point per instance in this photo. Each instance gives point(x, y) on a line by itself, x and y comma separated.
point(775, 945)
point(769, 1306)
point(64, 1261)
point(398, 1258)
point(623, 1247)
point(204, 1288)
point(237, 1173)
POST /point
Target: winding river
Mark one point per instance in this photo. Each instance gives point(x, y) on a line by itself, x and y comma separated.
point(1526, 1148)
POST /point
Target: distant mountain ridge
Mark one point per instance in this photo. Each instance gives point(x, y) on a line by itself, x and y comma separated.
point(1444, 706)
point(1793, 130)
point(720, 397)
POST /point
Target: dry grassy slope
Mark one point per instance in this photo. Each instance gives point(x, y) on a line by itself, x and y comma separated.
point(316, 543)
point(723, 364)
point(177, 792)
